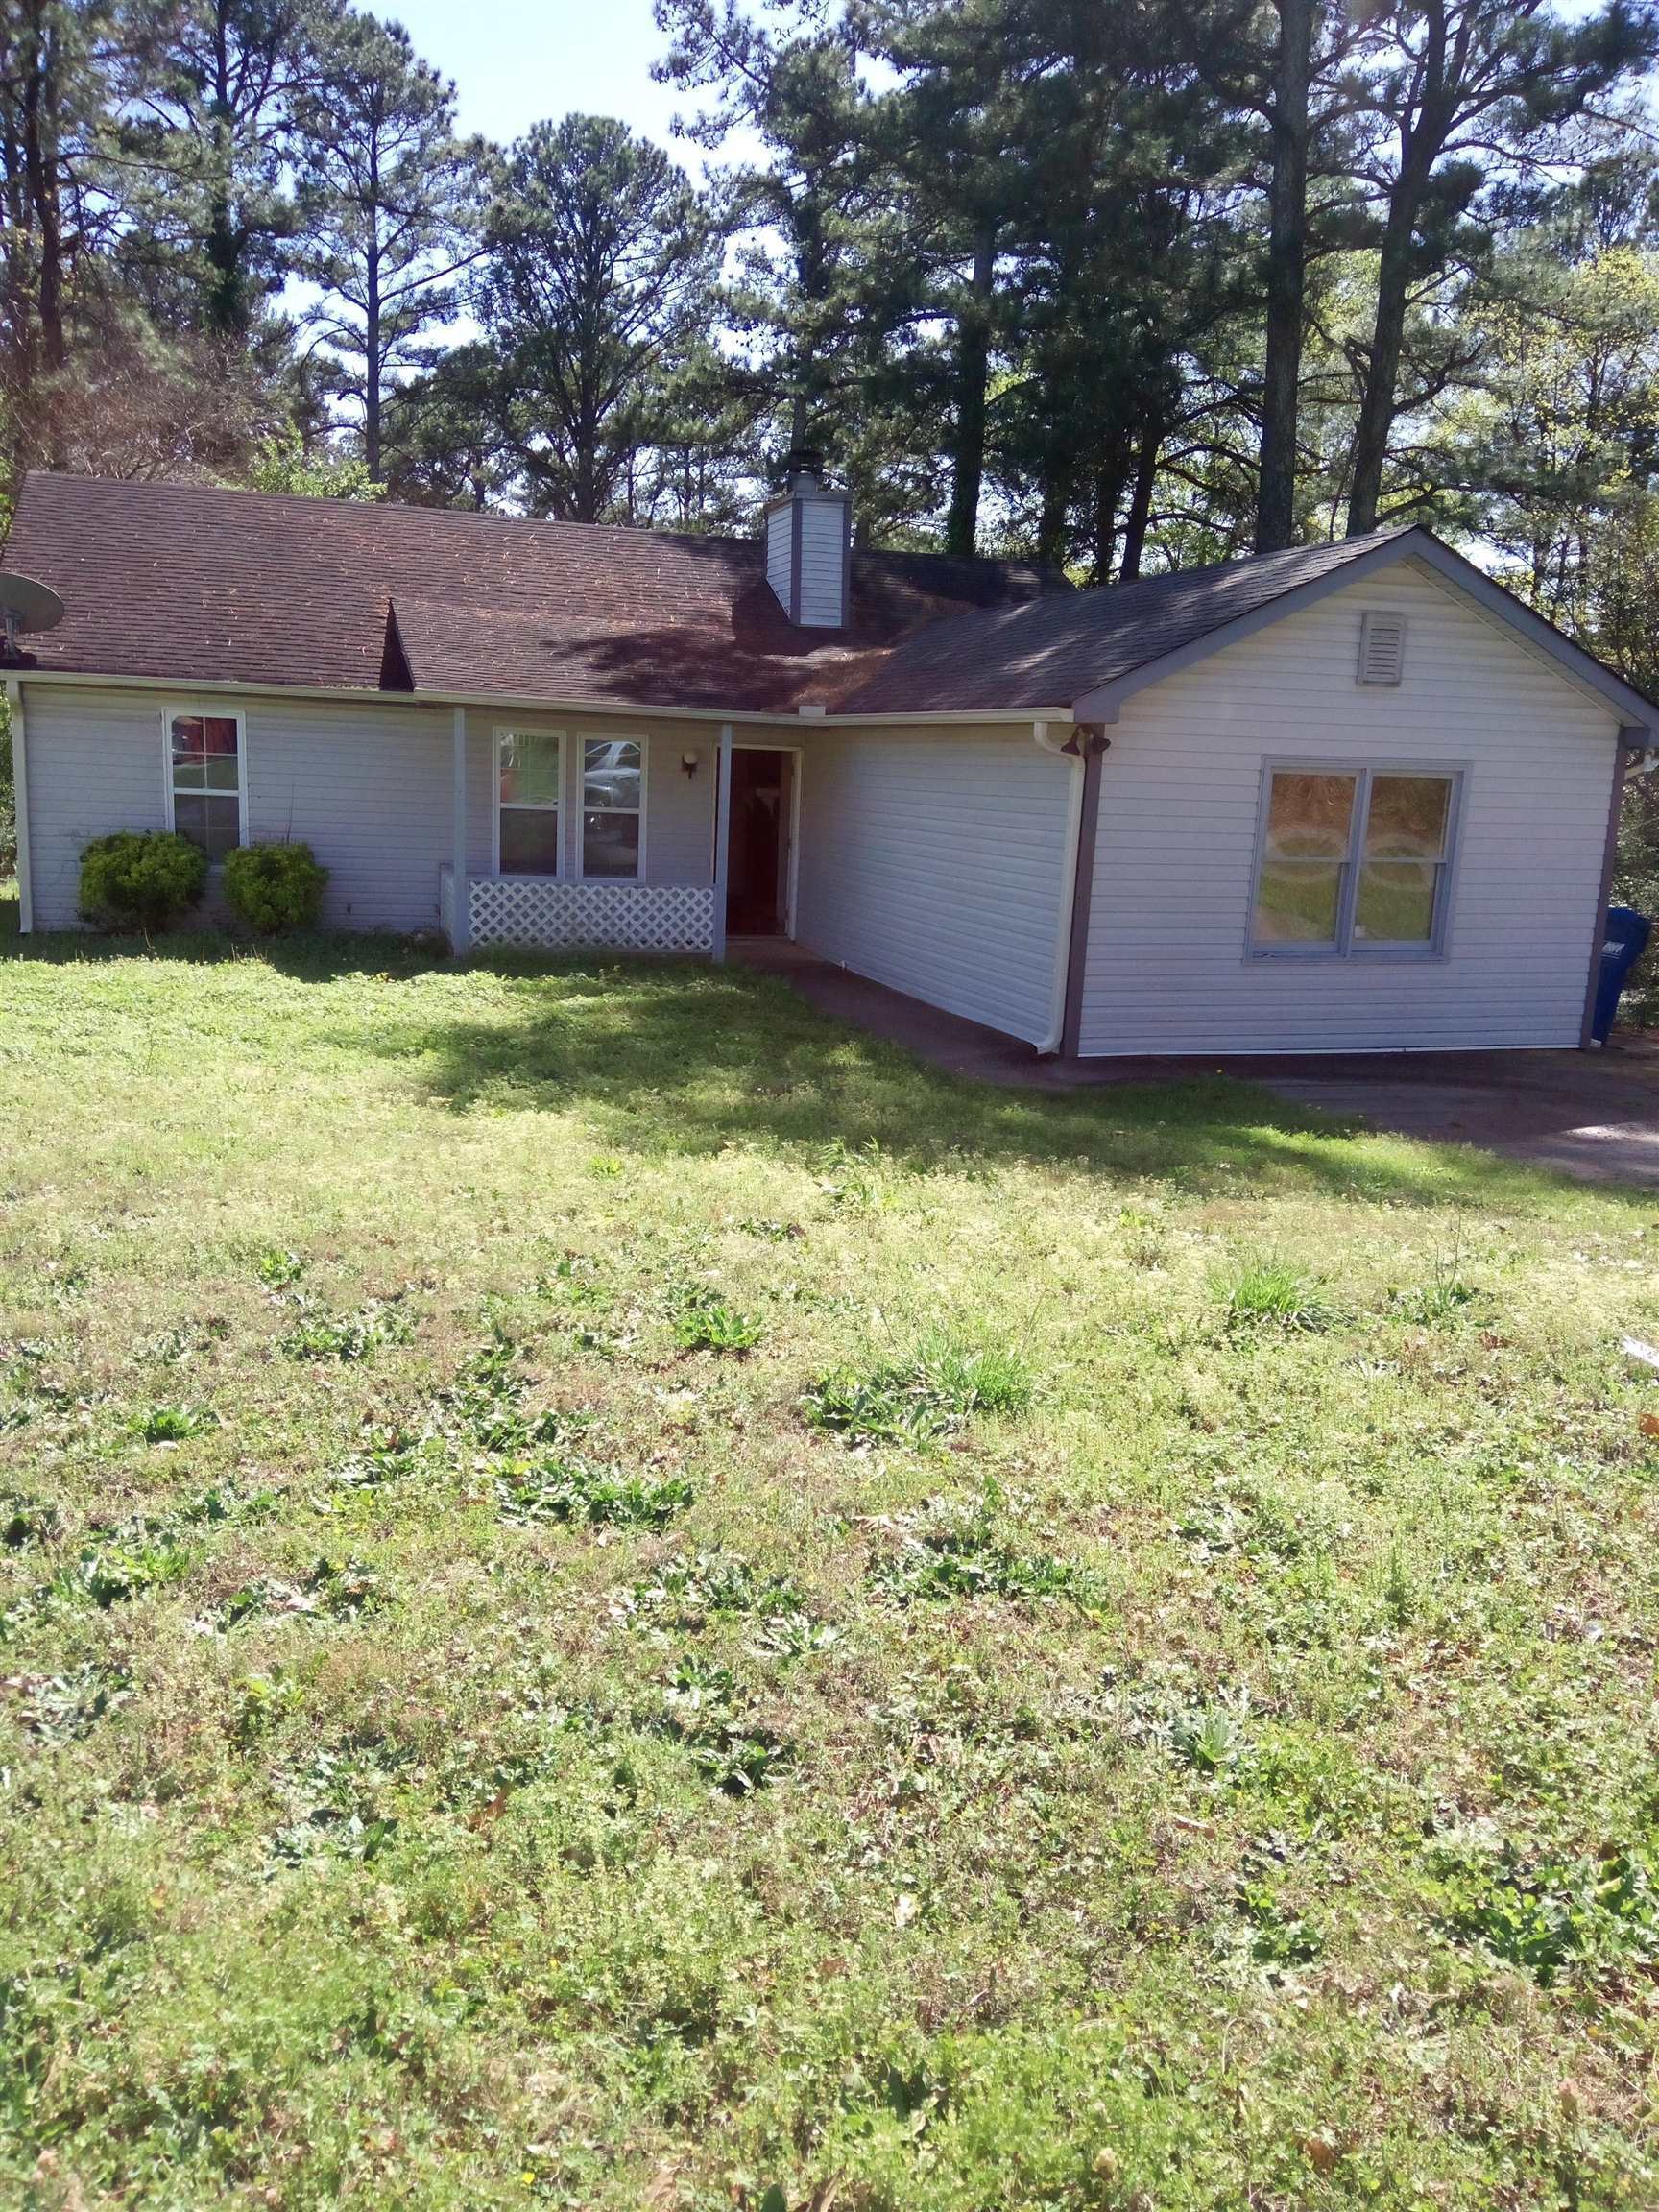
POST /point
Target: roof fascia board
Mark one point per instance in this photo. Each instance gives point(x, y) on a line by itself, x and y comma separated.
point(521, 702)
point(1102, 704)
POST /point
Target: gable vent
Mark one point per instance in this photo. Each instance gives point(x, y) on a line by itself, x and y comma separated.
point(1382, 647)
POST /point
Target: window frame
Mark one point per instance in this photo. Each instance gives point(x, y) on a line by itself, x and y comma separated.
point(561, 807)
point(585, 738)
point(201, 709)
point(1364, 772)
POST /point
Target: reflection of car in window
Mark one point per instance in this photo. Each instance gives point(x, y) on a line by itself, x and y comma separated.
point(612, 774)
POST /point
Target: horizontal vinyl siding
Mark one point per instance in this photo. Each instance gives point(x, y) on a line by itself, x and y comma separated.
point(823, 552)
point(934, 862)
point(679, 809)
point(1179, 798)
point(94, 766)
point(367, 788)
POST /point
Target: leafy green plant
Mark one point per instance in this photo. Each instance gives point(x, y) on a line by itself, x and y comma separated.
point(275, 889)
point(277, 1268)
point(729, 1747)
point(140, 879)
point(949, 1552)
point(60, 1708)
point(171, 1424)
point(937, 1390)
point(1271, 1293)
point(25, 1519)
point(572, 1489)
point(345, 1337)
point(1547, 1914)
point(705, 1322)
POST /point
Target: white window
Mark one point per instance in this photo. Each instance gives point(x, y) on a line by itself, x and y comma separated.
point(613, 806)
point(529, 785)
point(1352, 860)
point(206, 799)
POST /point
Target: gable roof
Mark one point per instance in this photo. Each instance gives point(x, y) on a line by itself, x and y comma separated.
point(1089, 652)
point(202, 585)
point(193, 585)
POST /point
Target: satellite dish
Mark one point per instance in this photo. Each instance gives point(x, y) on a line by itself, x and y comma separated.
point(26, 604)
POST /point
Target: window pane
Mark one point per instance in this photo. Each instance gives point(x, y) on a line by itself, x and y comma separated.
point(1296, 903)
point(189, 775)
point(1310, 816)
point(529, 769)
point(610, 845)
point(189, 737)
point(211, 822)
point(1408, 817)
point(1395, 902)
point(529, 841)
point(220, 734)
point(610, 772)
point(220, 770)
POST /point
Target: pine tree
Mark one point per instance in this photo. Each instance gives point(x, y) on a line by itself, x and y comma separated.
point(390, 203)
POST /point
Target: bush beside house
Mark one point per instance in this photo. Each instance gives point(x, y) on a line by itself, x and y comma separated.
point(274, 888)
point(140, 879)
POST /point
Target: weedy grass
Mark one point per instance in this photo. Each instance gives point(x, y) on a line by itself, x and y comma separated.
point(613, 1595)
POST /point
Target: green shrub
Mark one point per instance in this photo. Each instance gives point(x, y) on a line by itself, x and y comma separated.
point(140, 879)
point(274, 888)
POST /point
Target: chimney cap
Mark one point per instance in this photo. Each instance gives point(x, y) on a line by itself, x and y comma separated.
point(803, 461)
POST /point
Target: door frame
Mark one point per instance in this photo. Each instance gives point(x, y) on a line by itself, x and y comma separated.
point(755, 745)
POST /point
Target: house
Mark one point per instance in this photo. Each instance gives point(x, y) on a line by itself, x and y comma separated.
point(1350, 797)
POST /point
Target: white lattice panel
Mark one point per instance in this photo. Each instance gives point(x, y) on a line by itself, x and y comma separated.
point(648, 917)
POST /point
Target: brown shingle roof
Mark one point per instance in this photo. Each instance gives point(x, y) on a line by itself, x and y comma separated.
point(1052, 652)
point(202, 585)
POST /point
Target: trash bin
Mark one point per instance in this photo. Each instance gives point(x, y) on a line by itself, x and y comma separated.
point(1623, 945)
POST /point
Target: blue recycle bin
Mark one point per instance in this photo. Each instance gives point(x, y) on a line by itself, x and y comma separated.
point(1623, 945)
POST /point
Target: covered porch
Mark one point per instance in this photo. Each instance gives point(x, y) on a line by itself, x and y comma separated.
point(641, 839)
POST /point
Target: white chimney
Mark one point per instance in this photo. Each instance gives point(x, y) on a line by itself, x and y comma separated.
point(810, 546)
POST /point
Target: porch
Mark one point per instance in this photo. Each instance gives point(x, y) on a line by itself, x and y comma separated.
point(528, 800)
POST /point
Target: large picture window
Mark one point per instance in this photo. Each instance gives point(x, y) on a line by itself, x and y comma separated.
point(205, 786)
point(613, 807)
point(1353, 860)
point(529, 780)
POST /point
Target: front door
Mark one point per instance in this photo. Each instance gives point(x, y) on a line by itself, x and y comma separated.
point(757, 850)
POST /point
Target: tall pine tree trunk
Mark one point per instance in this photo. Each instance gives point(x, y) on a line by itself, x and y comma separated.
point(1140, 500)
point(1109, 481)
point(1387, 337)
point(1059, 478)
point(973, 366)
point(40, 169)
point(1287, 277)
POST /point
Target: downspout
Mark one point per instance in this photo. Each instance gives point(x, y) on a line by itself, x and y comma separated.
point(1090, 742)
point(20, 807)
point(1050, 1039)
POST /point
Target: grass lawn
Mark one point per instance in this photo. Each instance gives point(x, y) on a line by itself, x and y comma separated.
point(611, 1596)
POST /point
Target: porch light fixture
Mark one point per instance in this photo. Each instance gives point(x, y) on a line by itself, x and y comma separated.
point(688, 761)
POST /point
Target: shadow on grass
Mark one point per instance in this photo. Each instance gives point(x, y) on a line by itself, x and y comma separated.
point(667, 1059)
point(664, 1058)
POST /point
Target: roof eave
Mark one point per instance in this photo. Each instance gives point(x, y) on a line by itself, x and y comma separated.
point(532, 703)
point(1103, 703)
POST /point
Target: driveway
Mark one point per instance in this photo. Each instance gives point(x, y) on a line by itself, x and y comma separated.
point(1593, 1115)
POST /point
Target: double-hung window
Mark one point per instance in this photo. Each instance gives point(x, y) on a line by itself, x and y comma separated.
point(529, 780)
point(204, 785)
point(613, 807)
point(1353, 860)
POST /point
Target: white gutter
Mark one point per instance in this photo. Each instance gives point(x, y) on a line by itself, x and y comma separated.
point(524, 702)
point(20, 802)
point(1054, 1035)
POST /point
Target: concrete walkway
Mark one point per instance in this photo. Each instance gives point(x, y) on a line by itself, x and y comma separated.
point(1592, 1115)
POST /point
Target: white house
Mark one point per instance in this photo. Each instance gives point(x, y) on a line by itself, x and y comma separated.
point(1349, 797)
